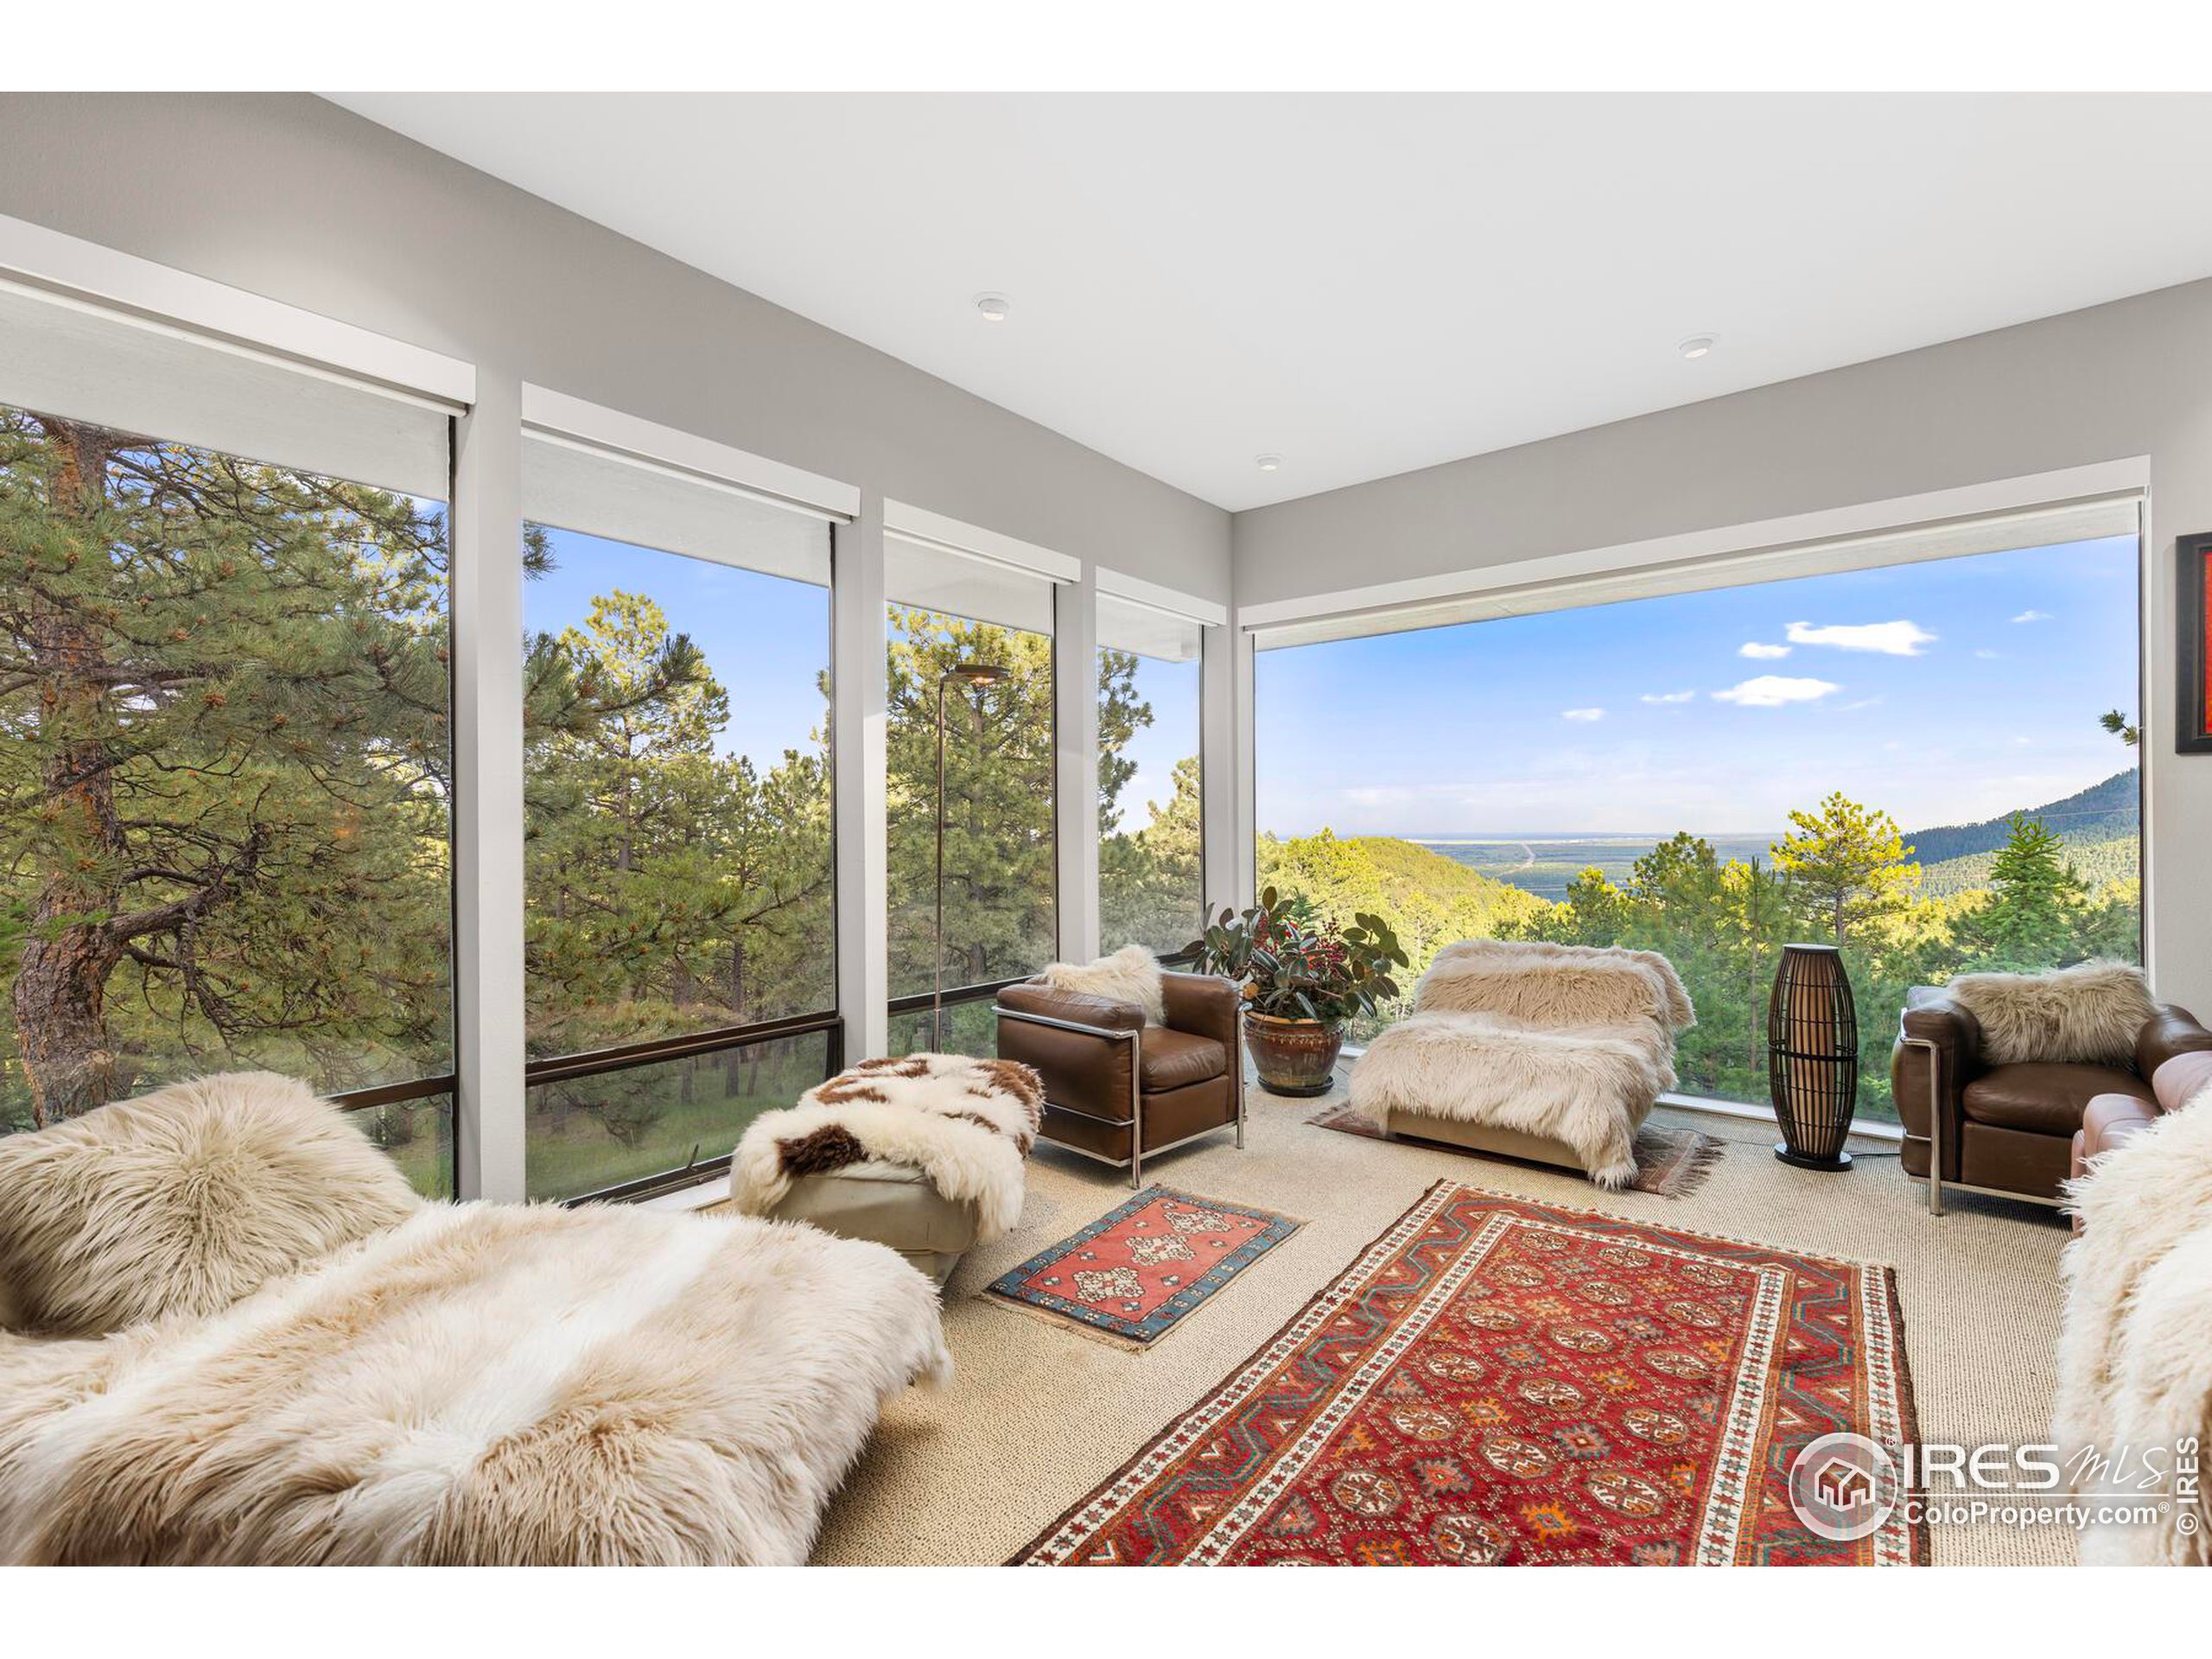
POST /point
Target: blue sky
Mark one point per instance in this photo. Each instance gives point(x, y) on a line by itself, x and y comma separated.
point(766, 639)
point(1943, 692)
point(1173, 689)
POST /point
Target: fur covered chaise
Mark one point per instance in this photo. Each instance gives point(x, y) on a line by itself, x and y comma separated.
point(476, 1383)
point(2135, 1346)
point(967, 1125)
point(1571, 1044)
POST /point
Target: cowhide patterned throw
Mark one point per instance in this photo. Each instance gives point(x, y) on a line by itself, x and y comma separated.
point(967, 1125)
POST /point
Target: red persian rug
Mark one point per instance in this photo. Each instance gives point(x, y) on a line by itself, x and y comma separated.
point(1497, 1381)
point(1139, 1269)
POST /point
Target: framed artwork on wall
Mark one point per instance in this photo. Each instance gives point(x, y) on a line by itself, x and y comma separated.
point(2193, 730)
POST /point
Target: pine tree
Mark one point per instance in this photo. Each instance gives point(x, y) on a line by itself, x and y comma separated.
point(1847, 865)
point(2039, 899)
point(225, 785)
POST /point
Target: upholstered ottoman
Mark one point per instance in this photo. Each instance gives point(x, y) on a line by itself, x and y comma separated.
point(927, 1155)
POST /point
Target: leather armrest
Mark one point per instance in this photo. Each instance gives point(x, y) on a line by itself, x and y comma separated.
point(2182, 1078)
point(2171, 1031)
point(2110, 1119)
point(1932, 1017)
point(1103, 1012)
point(1092, 1071)
point(1204, 1005)
point(1929, 1013)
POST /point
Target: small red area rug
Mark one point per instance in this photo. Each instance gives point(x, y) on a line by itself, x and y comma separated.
point(1671, 1162)
point(1145, 1265)
point(1495, 1381)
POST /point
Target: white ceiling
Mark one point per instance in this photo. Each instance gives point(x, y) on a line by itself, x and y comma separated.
point(1364, 284)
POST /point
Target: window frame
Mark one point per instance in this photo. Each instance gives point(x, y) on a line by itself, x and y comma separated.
point(906, 1002)
point(121, 287)
point(666, 450)
point(1180, 958)
point(1737, 556)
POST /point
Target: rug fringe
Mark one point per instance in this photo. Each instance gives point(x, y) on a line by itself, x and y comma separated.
point(1077, 1327)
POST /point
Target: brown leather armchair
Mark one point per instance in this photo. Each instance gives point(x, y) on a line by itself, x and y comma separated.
point(1118, 1089)
point(2009, 1130)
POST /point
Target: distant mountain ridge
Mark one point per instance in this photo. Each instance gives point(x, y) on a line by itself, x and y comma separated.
point(2111, 810)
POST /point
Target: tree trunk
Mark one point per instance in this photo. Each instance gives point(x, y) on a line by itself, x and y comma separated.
point(60, 1006)
point(61, 989)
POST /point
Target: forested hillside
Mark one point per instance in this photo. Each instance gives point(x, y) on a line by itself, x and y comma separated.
point(2101, 814)
point(1429, 899)
point(1842, 874)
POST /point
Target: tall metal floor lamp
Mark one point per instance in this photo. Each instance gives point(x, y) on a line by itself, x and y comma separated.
point(967, 674)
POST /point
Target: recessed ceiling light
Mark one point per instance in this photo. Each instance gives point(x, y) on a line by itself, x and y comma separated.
point(995, 307)
point(1268, 463)
point(1697, 345)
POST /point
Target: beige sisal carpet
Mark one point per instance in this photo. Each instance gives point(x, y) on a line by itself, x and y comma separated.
point(1037, 1416)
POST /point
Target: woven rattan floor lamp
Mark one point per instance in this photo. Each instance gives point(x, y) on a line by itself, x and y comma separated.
point(1812, 1036)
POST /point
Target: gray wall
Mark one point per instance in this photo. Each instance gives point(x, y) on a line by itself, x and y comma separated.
point(295, 199)
point(2130, 378)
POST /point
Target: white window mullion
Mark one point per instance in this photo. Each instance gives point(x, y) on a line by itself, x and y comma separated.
point(860, 732)
point(1075, 729)
point(1243, 855)
point(1221, 764)
point(487, 622)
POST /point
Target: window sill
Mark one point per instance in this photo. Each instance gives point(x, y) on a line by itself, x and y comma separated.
point(700, 1195)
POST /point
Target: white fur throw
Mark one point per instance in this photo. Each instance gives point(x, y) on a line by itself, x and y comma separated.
point(1130, 975)
point(1570, 1042)
point(500, 1384)
point(965, 1124)
point(2085, 1015)
point(2135, 1348)
point(183, 1201)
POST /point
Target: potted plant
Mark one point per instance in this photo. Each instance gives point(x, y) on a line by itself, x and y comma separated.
point(1302, 983)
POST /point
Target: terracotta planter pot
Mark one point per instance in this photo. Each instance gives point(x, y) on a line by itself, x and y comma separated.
point(1292, 1056)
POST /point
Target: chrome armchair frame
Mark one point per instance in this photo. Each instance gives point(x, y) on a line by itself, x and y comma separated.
point(1936, 1184)
point(1134, 1122)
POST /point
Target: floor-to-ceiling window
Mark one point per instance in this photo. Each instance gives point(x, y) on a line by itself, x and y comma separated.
point(226, 763)
point(1913, 762)
point(677, 864)
point(1151, 828)
point(951, 610)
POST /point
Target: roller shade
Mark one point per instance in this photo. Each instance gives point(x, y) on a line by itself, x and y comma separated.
point(68, 358)
point(2078, 521)
point(570, 485)
point(938, 578)
point(1125, 625)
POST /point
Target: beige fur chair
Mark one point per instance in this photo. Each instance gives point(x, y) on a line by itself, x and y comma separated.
point(1553, 1053)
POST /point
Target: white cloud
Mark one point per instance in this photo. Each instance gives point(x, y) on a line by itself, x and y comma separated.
point(1582, 714)
point(1989, 656)
point(1762, 653)
point(1858, 702)
point(2033, 616)
point(1668, 696)
point(1890, 638)
point(1773, 691)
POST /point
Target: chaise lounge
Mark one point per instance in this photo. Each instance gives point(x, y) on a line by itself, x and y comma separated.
point(234, 1336)
point(1551, 1053)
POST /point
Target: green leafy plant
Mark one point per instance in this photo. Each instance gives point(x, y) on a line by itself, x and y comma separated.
point(1291, 968)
